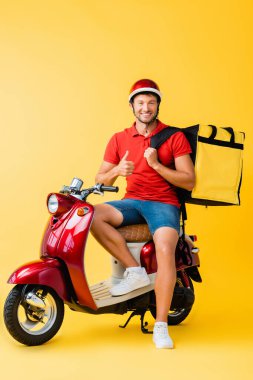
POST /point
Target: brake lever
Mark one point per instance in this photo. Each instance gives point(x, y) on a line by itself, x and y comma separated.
point(98, 192)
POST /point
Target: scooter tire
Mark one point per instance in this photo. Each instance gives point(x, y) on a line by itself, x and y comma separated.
point(22, 330)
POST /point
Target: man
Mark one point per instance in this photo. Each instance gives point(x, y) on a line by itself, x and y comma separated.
point(150, 197)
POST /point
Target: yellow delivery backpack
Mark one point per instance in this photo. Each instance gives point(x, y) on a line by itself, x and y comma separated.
point(217, 156)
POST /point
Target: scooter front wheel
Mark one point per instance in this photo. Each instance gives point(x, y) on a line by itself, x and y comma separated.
point(33, 314)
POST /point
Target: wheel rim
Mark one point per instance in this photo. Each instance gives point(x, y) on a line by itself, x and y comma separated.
point(175, 313)
point(38, 327)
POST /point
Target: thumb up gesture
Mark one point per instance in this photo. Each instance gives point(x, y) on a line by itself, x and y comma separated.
point(125, 167)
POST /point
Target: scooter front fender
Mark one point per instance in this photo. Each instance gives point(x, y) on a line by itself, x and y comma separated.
point(43, 272)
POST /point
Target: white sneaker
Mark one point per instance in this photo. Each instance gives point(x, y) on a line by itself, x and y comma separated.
point(134, 278)
point(161, 336)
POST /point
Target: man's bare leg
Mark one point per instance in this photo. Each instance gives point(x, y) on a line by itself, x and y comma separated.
point(165, 239)
point(106, 219)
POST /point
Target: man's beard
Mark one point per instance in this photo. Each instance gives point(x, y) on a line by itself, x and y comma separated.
point(151, 121)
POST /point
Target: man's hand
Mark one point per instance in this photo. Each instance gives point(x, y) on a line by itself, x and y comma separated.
point(125, 168)
point(151, 156)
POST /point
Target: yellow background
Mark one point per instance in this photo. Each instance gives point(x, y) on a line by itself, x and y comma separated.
point(65, 72)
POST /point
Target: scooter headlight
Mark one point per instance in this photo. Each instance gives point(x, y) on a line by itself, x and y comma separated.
point(52, 204)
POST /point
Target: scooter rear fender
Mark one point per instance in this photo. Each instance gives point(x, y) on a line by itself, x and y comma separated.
point(48, 272)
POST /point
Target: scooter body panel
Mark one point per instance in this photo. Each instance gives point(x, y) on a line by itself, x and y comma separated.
point(184, 259)
point(66, 239)
point(44, 272)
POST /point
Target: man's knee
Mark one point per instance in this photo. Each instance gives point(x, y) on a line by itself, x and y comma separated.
point(106, 214)
point(165, 249)
point(165, 239)
point(100, 212)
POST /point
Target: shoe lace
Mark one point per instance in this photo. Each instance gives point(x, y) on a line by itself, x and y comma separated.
point(162, 331)
point(129, 276)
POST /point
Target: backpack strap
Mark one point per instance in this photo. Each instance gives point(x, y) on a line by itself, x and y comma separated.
point(159, 138)
point(183, 216)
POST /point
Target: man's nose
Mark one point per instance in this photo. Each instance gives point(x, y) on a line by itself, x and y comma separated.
point(145, 107)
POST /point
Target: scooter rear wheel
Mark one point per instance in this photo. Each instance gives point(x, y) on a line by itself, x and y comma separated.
point(33, 314)
point(178, 315)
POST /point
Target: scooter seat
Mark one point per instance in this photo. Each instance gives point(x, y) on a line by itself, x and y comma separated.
point(135, 233)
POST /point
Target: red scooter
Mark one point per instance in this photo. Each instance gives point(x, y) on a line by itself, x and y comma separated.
point(34, 309)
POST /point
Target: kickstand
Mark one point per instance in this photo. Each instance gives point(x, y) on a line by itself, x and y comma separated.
point(143, 324)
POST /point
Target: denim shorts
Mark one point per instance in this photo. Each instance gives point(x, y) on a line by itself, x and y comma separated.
point(155, 214)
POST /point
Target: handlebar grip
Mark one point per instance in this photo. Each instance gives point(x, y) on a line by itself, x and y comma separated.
point(113, 189)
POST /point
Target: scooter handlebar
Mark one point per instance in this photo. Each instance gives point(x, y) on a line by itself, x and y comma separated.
point(113, 189)
point(98, 189)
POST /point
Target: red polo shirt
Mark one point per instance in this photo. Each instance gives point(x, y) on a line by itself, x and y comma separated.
point(145, 183)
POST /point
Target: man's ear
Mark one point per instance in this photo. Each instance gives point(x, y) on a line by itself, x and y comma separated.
point(131, 106)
